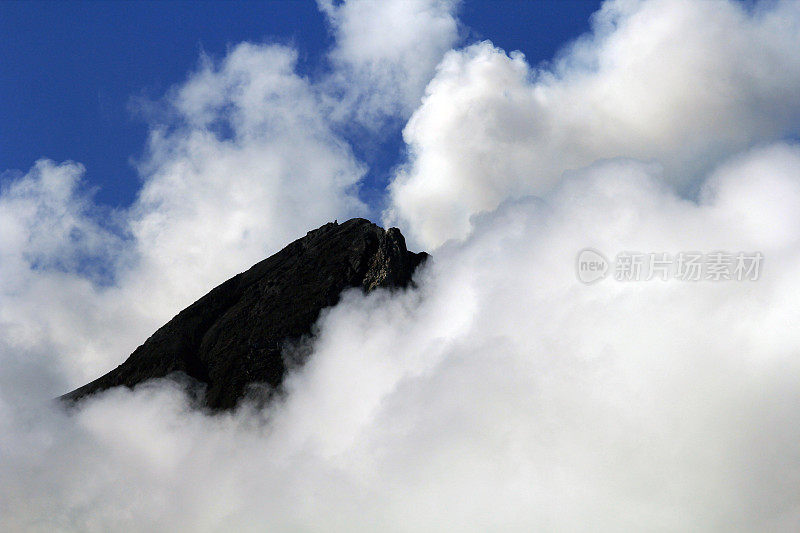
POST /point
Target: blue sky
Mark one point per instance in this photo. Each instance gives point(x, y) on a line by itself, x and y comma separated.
point(73, 71)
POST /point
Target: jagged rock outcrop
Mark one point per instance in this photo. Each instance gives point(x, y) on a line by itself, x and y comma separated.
point(233, 336)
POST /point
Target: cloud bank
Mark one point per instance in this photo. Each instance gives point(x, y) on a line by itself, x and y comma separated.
point(503, 394)
point(686, 84)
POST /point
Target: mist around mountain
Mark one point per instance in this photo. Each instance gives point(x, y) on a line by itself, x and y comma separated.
point(246, 333)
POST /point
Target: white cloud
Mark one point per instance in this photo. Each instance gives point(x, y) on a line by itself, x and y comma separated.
point(385, 54)
point(252, 166)
point(683, 83)
point(54, 253)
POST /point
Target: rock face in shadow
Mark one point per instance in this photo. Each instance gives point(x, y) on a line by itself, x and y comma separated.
point(233, 336)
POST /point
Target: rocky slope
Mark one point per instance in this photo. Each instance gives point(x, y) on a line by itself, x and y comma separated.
point(233, 337)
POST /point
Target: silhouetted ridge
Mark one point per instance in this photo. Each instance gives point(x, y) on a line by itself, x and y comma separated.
point(233, 336)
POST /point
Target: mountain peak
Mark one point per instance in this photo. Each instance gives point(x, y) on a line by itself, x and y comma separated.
point(233, 336)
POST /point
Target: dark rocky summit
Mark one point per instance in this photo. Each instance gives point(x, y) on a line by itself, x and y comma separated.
point(233, 336)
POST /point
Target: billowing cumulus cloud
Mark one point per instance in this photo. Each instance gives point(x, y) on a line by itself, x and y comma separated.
point(683, 83)
point(500, 395)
